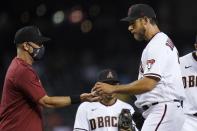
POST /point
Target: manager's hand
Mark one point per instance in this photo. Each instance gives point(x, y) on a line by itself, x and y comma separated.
point(91, 97)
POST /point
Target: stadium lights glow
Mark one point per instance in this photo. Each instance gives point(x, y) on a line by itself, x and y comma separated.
point(76, 16)
point(58, 17)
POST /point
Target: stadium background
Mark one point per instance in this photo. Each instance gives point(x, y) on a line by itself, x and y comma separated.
point(87, 36)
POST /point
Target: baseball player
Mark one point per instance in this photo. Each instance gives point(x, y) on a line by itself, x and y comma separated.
point(159, 88)
point(189, 75)
point(103, 115)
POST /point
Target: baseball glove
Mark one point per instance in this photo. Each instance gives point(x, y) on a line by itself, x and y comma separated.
point(125, 122)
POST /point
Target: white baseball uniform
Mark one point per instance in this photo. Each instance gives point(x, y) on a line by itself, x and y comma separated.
point(189, 75)
point(96, 116)
point(160, 59)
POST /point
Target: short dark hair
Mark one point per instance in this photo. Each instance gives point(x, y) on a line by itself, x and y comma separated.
point(18, 45)
point(153, 21)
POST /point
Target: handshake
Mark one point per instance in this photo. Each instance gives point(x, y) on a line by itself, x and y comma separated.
point(97, 91)
point(107, 80)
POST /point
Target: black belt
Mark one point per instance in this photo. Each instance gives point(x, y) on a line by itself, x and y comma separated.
point(195, 114)
point(145, 107)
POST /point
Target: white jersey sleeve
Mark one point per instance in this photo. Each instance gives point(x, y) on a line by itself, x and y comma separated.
point(155, 60)
point(81, 121)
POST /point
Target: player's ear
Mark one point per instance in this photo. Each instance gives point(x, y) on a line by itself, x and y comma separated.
point(145, 20)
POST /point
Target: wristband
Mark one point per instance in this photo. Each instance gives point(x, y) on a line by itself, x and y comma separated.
point(75, 99)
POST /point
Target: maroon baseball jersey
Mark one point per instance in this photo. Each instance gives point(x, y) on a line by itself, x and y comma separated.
point(22, 89)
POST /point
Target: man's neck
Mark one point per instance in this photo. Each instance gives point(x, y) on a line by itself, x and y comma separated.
point(151, 32)
point(108, 102)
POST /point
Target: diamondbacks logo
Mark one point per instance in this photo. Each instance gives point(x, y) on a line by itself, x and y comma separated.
point(110, 75)
point(189, 81)
point(150, 63)
point(103, 122)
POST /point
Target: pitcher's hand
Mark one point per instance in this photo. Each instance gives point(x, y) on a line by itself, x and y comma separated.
point(103, 88)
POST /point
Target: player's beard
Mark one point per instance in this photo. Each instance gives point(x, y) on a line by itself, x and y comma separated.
point(140, 35)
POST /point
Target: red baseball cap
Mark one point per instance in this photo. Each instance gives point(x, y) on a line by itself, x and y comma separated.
point(138, 11)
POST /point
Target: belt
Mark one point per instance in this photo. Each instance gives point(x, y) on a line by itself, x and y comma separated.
point(195, 114)
point(145, 107)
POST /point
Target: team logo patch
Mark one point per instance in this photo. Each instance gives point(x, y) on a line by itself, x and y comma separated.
point(150, 63)
point(110, 75)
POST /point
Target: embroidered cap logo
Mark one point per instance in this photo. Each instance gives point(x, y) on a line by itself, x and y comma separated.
point(110, 75)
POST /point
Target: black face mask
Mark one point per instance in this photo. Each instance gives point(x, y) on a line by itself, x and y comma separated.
point(38, 53)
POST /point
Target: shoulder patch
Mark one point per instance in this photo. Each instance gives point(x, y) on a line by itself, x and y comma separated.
point(150, 63)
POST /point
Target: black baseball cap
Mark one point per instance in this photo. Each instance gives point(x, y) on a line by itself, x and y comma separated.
point(108, 76)
point(29, 34)
point(196, 39)
point(138, 11)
